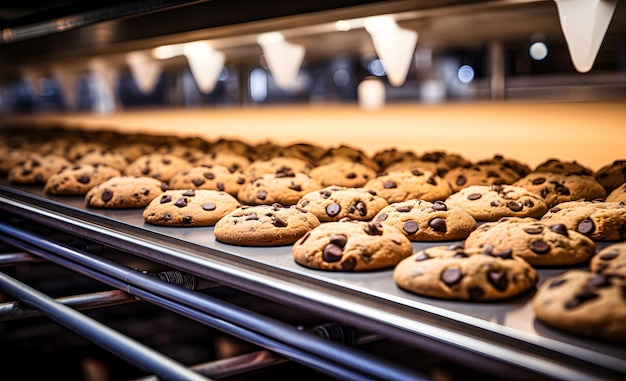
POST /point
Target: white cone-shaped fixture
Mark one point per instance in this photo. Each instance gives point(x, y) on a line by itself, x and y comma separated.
point(584, 24)
point(106, 75)
point(67, 81)
point(145, 70)
point(205, 63)
point(283, 58)
point(394, 46)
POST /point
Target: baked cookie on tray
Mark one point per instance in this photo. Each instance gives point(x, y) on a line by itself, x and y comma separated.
point(555, 188)
point(584, 303)
point(260, 167)
point(538, 243)
point(333, 203)
point(77, 179)
point(36, 169)
point(405, 185)
point(106, 156)
point(264, 225)
point(456, 273)
point(124, 192)
point(349, 245)
point(480, 174)
point(492, 202)
point(610, 261)
point(161, 166)
point(215, 177)
point(565, 167)
point(421, 220)
point(612, 175)
point(192, 207)
point(284, 186)
point(343, 173)
point(598, 220)
point(618, 194)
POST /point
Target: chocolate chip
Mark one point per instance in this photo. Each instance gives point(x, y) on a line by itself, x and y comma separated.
point(332, 253)
point(84, 179)
point(374, 228)
point(560, 229)
point(209, 175)
point(165, 199)
point(476, 293)
point(181, 202)
point(295, 187)
point(598, 281)
point(493, 174)
point(189, 193)
point(609, 255)
point(456, 246)
point(451, 276)
point(440, 206)
point(382, 217)
point(167, 217)
point(557, 283)
point(498, 280)
point(538, 181)
point(360, 206)
point(333, 209)
point(431, 180)
point(390, 184)
point(506, 254)
point(261, 195)
point(285, 172)
point(539, 247)
point(438, 224)
point(562, 190)
point(422, 257)
point(188, 220)
point(403, 208)
point(351, 175)
point(515, 206)
point(349, 264)
point(460, 254)
point(495, 203)
point(474, 196)
point(580, 298)
point(252, 217)
point(325, 194)
point(107, 195)
point(278, 222)
point(410, 227)
point(417, 172)
point(339, 240)
point(240, 180)
point(220, 187)
point(209, 206)
point(533, 229)
point(164, 187)
point(460, 180)
point(586, 226)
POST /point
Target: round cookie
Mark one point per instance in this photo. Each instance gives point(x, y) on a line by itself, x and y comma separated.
point(10, 157)
point(80, 148)
point(405, 185)
point(555, 188)
point(283, 187)
point(269, 150)
point(584, 303)
point(520, 168)
point(565, 167)
point(312, 152)
point(343, 173)
point(77, 180)
point(187, 208)
point(259, 167)
point(492, 202)
point(421, 220)
point(215, 177)
point(232, 145)
point(161, 166)
point(610, 261)
point(124, 192)
point(264, 225)
point(352, 154)
point(231, 160)
point(480, 174)
point(386, 157)
point(333, 203)
point(598, 220)
point(618, 194)
point(456, 273)
point(349, 245)
point(613, 175)
point(109, 157)
point(449, 159)
point(36, 169)
point(439, 168)
point(189, 153)
point(538, 243)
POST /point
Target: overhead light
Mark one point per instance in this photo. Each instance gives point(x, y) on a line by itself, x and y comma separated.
point(167, 51)
point(584, 24)
point(205, 63)
point(394, 46)
point(145, 70)
point(282, 57)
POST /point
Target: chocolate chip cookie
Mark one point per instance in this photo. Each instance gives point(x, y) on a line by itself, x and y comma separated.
point(333, 203)
point(36, 169)
point(215, 177)
point(522, 169)
point(349, 245)
point(613, 175)
point(124, 192)
point(343, 173)
point(231, 160)
point(480, 174)
point(555, 188)
point(565, 167)
point(421, 220)
point(388, 156)
point(450, 159)
point(187, 208)
point(264, 225)
point(161, 166)
point(106, 156)
point(349, 153)
point(538, 243)
point(584, 303)
point(492, 202)
point(618, 194)
point(405, 185)
point(260, 167)
point(79, 179)
point(456, 273)
point(610, 261)
point(598, 220)
point(283, 187)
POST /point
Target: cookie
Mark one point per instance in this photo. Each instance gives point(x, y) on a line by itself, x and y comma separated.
point(311, 151)
point(343, 173)
point(264, 225)
point(537, 242)
point(386, 157)
point(80, 148)
point(480, 174)
point(555, 188)
point(268, 150)
point(283, 187)
point(492, 202)
point(421, 220)
point(110, 157)
point(79, 179)
point(231, 160)
point(124, 192)
point(519, 167)
point(333, 203)
point(187, 208)
point(564, 167)
point(449, 159)
point(583, 303)
point(610, 261)
point(184, 151)
point(215, 177)
point(598, 220)
point(618, 194)
point(405, 185)
point(10, 157)
point(259, 168)
point(613, 175)
point(349, 153)
point(36, 169)
point(349, 245)
point(456, 273)
point(161, 166)
point(233, 145)
point(440, 168)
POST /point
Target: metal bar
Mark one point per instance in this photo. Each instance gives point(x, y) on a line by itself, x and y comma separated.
point(126, 348)
point(10, 259)
point(18, 310)
point(228, 318)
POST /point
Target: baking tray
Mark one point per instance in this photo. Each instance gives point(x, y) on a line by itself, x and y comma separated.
point(475, 332)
